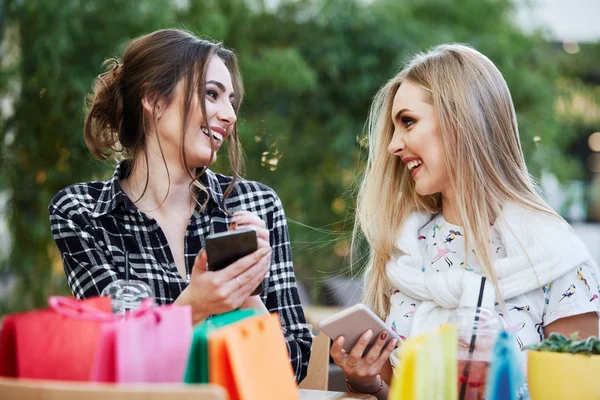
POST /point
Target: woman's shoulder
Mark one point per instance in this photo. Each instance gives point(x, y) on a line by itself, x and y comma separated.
point(525, 217)
point(77, 198)
point(243, 187)
point(246, 193)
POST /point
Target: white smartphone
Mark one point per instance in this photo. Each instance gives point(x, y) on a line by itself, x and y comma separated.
point(352, 322)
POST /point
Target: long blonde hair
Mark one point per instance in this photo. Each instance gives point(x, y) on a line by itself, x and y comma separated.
point(480, 141)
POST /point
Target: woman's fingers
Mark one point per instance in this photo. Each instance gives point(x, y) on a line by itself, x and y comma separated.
point(200, 263)
point(255, 274)
point(231, 271)
point(242, 277)
point(337, 352)
point(360, 346)
point(246, 219)
point(375, 350)
point(384, 355)
point(263, 243)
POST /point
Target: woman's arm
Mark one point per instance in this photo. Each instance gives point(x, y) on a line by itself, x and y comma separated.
point(572, 303)
point(585, 324)
point(87, 269)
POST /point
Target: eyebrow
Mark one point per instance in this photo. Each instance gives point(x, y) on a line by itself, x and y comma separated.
point(221, 87)
point(399, 113)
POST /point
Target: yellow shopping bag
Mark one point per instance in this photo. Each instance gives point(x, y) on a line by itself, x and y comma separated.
point(427, 368)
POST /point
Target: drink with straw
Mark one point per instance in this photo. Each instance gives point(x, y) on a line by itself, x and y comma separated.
point(478, 329)
point(127, 294)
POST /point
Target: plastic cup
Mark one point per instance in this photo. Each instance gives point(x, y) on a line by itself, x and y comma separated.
point(127, 295)
point(477, 330)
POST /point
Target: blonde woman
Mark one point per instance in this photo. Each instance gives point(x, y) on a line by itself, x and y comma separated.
point(446, 200)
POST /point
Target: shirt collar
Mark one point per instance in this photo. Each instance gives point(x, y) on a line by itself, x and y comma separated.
point(112, 195)
point(211, 182)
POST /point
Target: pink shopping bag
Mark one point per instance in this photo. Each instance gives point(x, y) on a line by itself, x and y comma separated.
point(151, 346)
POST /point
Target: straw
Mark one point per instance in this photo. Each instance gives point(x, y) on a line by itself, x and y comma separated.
point(127, 266)
point(463, 386)
point(126, 278)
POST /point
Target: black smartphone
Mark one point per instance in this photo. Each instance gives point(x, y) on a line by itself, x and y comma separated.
point(225, 248)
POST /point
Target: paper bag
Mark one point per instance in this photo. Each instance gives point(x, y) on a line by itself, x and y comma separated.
point(428, 367)
point(48, 344)
point(197, 367)
point(250, 359)
point(152, 345)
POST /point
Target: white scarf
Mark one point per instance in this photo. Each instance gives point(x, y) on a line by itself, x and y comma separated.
point(530, 239)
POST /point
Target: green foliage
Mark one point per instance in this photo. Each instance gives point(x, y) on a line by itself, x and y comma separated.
point(310, 68)
point(61, 46)
point(558, 343)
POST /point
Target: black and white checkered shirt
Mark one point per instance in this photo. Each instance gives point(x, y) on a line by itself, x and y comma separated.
point(94, 224)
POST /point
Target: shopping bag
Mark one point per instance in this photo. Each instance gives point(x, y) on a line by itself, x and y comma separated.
point(505, 379)
point(428, 367)
point(50, 344)
point(197, 367)
point(151, 345)
point(250, 360)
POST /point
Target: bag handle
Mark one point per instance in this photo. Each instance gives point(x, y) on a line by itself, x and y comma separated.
point(75, 309)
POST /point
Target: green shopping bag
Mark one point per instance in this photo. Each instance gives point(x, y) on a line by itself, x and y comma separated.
point(197, 367)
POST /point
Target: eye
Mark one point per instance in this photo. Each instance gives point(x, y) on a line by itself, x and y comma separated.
point(212, 94)
point(407, 122)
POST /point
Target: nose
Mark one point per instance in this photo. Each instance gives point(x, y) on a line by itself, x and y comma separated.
point(226, 113)
point(397, 143)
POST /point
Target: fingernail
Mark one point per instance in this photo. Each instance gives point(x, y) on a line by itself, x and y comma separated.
point(383, 335)
point(369, 334)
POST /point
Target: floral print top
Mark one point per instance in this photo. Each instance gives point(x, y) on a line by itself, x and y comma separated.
point(443, 246)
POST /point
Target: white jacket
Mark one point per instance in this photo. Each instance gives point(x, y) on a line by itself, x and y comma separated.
point(539, 249)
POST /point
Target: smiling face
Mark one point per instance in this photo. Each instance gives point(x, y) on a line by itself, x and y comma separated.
point(416, 139)
point(219, 123)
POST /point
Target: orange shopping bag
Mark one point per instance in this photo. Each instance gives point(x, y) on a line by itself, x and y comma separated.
point(250, 359)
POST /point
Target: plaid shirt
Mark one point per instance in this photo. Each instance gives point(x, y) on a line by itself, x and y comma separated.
point(94, 223)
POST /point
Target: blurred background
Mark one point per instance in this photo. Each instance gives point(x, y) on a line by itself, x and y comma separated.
point(310, 69)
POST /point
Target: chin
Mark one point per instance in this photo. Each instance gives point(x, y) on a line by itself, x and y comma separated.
point(423, 190)
point(200, 158)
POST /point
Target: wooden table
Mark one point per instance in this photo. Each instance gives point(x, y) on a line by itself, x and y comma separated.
point(307, 394)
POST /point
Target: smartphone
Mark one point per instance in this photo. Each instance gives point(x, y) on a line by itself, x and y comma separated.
point(225, 248)
point(352, 322)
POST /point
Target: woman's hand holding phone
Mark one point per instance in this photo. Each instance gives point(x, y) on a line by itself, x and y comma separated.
point(216, 292)
point(364, 371)
point(363, 357)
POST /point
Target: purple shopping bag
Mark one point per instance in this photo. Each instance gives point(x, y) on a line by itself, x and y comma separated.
point(151, 345)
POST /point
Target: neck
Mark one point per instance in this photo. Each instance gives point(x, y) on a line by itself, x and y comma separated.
point(450, 211)
point(165, 191)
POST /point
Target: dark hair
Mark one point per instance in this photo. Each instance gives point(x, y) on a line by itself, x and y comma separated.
point(154, 63)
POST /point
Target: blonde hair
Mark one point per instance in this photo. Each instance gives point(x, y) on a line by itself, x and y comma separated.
point(480, 142)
